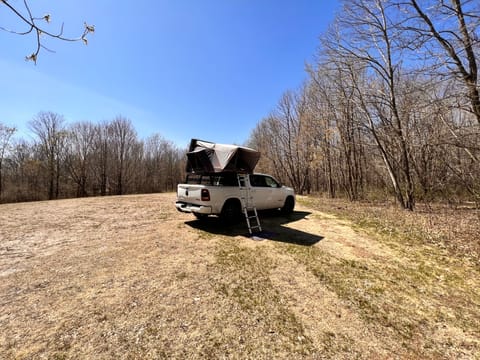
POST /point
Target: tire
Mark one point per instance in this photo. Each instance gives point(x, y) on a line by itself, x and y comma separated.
point(289, 205)
point(230, 212)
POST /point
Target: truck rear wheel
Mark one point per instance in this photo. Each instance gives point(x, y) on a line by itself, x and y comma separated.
point(230, 212)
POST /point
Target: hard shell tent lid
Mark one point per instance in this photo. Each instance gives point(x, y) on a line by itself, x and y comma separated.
point(208, 157)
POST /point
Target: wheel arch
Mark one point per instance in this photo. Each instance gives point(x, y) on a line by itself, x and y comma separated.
point(232, 200)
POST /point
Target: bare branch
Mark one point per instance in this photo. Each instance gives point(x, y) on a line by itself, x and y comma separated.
point(34, 26)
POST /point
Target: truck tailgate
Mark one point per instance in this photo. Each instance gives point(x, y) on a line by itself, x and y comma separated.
point(189, 193)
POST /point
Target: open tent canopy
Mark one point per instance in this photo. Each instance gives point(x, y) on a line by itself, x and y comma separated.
point(208, 157)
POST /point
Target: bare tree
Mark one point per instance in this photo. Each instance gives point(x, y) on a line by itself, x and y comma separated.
point(161, 165)
point(284, 139)
point(79, 152)
point(265, 138)
point(292, 114)
point(447, 33)
point(319, 138)
point(333, 98)
point(24, 173)
point(125, 148)
point(100, 160)
point(6, 134)
point(173, 168)
point(37, 26)
point(49, 128)
point(368, 32)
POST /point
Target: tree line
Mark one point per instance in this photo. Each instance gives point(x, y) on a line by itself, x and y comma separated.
point(85, 159)
point(390, 106)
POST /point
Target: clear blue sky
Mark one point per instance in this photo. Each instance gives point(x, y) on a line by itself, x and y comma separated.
point(208, 69)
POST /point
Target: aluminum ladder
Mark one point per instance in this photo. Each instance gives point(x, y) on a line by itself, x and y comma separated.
point(248, 204)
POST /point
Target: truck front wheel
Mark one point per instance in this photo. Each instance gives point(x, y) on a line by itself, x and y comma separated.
point(288, 206)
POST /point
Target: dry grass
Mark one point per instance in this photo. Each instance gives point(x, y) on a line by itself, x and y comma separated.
point(456, 229)
point(129, 277)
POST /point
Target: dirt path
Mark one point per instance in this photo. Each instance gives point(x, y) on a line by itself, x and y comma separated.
point(129, 277)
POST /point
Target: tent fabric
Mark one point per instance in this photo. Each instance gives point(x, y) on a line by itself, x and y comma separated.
point(208, 157)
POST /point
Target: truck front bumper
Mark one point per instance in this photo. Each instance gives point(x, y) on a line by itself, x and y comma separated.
point(192, 208)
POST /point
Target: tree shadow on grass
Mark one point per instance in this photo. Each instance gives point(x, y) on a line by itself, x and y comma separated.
point(272, 228)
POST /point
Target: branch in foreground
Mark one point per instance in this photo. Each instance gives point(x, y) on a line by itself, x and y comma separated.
point(34, 27)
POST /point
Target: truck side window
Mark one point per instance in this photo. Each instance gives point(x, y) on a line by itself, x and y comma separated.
point(262, 181)
point(229, 179)
point(271, 182)
point(255, 180)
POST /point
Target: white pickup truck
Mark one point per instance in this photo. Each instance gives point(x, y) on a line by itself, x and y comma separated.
point(223, 194)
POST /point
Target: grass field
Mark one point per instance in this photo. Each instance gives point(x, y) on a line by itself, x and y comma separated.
point(130, 278)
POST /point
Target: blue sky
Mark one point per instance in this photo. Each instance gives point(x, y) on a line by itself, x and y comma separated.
point(208, 69)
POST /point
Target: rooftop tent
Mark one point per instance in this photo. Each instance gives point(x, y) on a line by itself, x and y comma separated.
point(208, 157)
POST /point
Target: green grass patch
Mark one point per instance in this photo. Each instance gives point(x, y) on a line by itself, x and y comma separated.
point(411, 301)
point(426, 296)
point(246, 281)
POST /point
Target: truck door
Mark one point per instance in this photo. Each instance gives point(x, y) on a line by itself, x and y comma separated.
point(268, 194)
point(277, 195)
